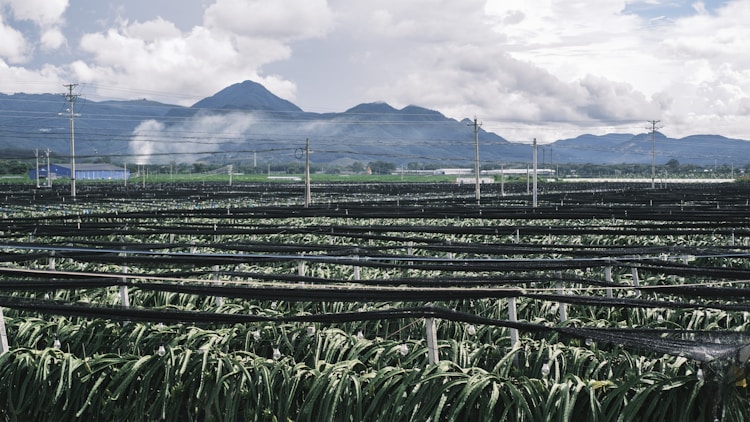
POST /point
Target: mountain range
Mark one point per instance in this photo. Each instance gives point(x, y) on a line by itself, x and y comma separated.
point(245, 121)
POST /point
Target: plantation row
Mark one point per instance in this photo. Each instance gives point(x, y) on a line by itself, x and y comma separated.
point(385, 302)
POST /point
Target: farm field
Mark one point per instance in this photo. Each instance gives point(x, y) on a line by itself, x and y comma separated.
point(379, 301)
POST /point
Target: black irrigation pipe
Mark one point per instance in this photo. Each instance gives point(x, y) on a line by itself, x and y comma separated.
point(694, 218)
point(648, 340)
point(636, 303)
point(673, 268)
point(494, 249)
point(158, 259)
point(367, 294)
point(88, 228)
point(161, 259)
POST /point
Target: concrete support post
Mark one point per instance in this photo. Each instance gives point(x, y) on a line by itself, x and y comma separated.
point(608, 279)
point(3, 334)
point(432, 347)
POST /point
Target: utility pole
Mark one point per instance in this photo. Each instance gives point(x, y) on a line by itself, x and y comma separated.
point(71, 98)
point(308, 196)
point(476, 157)
point(653, 151)
point(49, 174)
point(534, 160)
point(36, 154)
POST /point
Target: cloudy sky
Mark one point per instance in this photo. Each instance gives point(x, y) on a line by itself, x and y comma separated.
point(526, 68)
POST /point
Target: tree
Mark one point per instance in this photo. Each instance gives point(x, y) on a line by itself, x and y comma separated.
point(381, 167)
point(672, 165)
point(357, 167)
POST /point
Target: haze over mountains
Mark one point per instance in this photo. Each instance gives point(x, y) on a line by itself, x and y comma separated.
point(247, 122)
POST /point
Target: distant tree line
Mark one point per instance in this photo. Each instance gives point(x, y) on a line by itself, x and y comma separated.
point(14, 167)
point(672, 168)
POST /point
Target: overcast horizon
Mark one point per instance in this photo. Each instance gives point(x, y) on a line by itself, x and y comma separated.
point(547, 70)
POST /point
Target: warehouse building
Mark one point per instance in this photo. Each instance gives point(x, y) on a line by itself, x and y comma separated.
point(84, 171)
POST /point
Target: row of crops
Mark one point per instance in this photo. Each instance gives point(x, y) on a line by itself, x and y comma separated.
point(193, 302)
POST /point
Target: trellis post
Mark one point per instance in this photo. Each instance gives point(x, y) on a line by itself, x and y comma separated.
point(124, 296)
point(608, 279)
point(513, 317)
point(636, 281)
point(3, 334)
point(215, 276)
point(356, 269)
point(432, 348)
point(563, 306)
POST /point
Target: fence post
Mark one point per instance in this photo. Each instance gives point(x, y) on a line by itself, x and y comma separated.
point(432, 348)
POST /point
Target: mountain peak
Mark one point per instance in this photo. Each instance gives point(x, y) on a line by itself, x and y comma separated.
point(247, 95)
point(372, 108)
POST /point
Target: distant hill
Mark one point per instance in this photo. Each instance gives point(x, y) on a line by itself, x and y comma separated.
point(31, 121)
point(246, 95)
point(629, 148)
point(246, 120)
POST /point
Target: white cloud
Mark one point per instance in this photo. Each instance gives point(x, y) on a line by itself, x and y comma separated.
point(236, 40)
point(13, 47)
point(155, 56)
point(47, 15)
point(52, 39)
point(463, 62)
point(281, 19)
point(153, 30)
point(44, 13)
point(559, 64)
point(34, 81)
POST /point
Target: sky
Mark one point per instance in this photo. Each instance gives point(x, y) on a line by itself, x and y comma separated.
point(545, 69)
